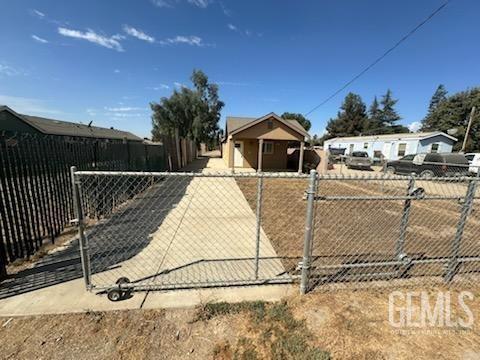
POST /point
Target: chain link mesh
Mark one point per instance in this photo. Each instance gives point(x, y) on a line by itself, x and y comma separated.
point(176, 230)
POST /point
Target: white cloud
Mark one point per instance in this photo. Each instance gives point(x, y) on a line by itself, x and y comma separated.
point(189, 40)
point(179, 85)
point(159, 87)
point(93, 37)
point(200, 3)
point(8, 70)
point(38, 13)
point(162, 3)
point(414, 126)
point(232, 27)
point(116, 71)
point(39, 39)
point(123, 109)
point(27, 105)
point(91, 112)
point(139, 34)
point(225, 10)
point(169, 3)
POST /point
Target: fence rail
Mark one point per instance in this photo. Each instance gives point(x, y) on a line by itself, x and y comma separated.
point(35, 187)
point(175, 230)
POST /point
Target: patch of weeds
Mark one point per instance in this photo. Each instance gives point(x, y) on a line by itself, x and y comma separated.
point(222, 351)
point(211, 310)
point(276, 333)
point(245, 350)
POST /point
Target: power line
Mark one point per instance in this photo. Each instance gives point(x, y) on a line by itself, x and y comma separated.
point(405, 37)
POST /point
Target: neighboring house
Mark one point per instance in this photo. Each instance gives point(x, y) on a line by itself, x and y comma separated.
point(244, 137)
point(394, 146)
point(14, 122)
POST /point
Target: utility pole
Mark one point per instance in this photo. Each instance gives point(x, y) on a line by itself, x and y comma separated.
point(472, 113)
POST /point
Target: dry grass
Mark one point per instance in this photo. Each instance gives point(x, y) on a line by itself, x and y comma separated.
point(343, 325)
point(352, 230)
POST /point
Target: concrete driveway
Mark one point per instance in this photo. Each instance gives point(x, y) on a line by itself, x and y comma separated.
point(187, 232)
point(207, 237)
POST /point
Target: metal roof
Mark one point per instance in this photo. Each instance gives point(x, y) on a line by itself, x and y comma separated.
point(65, 128)
point(401, 136)
point(236, 122)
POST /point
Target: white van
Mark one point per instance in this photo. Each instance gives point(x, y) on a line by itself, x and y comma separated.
point(474, 161)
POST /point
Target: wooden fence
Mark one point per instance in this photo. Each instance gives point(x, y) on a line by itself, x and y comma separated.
point(35, 188)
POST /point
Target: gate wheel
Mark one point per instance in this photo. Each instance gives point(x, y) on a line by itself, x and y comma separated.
point(122, 280)
point(114, 294)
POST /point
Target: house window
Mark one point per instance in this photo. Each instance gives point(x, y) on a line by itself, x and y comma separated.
point(365, 146)
point(402, 149)
point(268, 147)
point(434, 148)
point(270, 124)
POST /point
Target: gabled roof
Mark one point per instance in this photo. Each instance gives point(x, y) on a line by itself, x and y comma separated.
point(65, 128)
point(236, 124)
point(401, 136)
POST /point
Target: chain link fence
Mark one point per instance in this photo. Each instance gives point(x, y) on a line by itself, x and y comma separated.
point(181, 230)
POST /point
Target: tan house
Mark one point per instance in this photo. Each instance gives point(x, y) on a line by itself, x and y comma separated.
point(261, 143)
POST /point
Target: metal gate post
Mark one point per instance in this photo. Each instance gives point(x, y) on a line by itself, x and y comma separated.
point(307, 244)
point(79, 220)
point(259, 222)
point(400, 249)
point(466, 209)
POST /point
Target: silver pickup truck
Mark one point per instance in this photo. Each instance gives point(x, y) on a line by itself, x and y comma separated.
point(358, 160)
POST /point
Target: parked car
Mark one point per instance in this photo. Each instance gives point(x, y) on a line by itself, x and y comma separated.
point(358, 160)
point(430, 165)
point(474, 161)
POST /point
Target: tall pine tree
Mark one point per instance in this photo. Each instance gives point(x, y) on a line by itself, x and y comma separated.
point(390, 116)
point(375, 123)
point(351, 119)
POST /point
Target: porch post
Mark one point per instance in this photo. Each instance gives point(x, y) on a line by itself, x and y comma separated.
point(300, 160)
point(260, 155)
point(231, 154)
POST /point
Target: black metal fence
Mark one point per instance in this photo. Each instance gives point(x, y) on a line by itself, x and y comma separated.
point(35, 186)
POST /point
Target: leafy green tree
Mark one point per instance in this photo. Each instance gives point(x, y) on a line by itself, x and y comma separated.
point(300, 118)
point(351, 119)
point(194, 113)
point(453, 113)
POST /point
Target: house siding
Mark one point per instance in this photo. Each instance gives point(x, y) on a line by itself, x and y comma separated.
point(413, 146)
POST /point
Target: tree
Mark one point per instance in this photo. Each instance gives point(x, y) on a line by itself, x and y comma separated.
point(453, 113)
point(300, 118)
point(375, 122)
point(439, 96)
point(389, 115)
point(351, 119)
point(194, 113)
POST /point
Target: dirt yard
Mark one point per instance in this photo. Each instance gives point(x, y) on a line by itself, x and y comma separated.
point(338, 325)
point(350, 230)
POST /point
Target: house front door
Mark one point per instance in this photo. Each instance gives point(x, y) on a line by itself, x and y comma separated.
point(238, 154)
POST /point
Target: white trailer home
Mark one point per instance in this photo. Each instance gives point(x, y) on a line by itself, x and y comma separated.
point(394, 146)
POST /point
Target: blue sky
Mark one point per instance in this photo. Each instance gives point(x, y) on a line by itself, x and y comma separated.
point(107, 60)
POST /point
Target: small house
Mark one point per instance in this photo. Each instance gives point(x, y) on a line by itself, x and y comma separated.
point(262, 143)
point(14, 122)
point(394, 146)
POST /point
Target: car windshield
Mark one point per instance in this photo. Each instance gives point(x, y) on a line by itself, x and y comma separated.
point(408, 157)
point(361, 154)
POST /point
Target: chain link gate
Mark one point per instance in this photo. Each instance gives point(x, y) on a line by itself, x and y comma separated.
point(391, 230)
point(149, 231)
point(157, 231)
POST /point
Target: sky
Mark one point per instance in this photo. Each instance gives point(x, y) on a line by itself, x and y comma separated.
point(106, 61)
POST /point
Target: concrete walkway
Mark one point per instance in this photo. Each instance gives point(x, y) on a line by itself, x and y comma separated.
point(205, 237)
